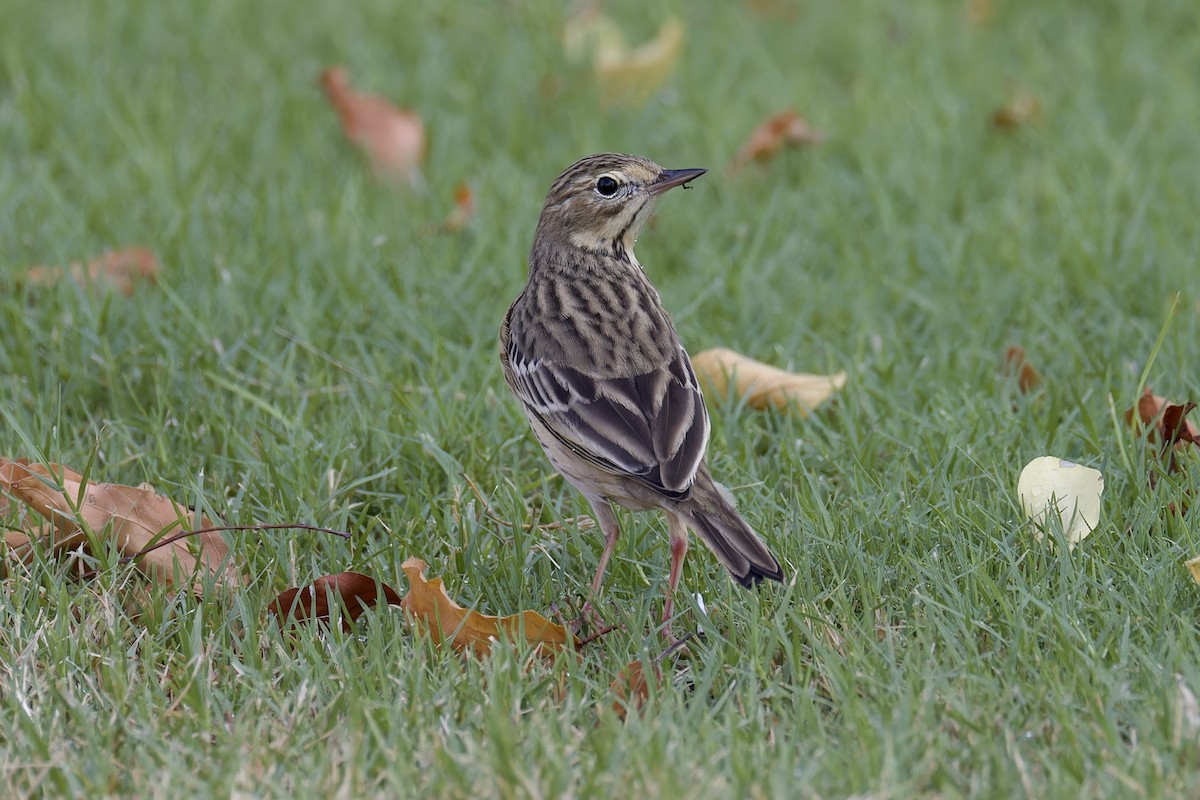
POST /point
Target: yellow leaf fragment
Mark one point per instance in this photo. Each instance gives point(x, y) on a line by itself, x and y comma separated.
point(762, 385)
point(1052, 488)
point(1193, 566)
point(428, 604)
point(624, 74)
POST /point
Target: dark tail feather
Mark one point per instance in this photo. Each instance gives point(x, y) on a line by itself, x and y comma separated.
point(735, 544)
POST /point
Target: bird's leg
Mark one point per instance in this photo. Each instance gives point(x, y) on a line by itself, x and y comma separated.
point(612, 531)
point(679, 544)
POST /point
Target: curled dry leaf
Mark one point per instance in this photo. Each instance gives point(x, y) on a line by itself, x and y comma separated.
point(1028, 378)
point(1165, 422)
point(1052, 488)
point(631, 75)
point(631, 689)
point(762, 385)
point(1022, 109)
point(119, 270)
point(784, 129)
point(393, 139)
point(135, 517)
point(354, 591)
point(428, 604)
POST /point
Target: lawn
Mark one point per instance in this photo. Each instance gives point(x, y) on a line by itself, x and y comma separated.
point(317, 351)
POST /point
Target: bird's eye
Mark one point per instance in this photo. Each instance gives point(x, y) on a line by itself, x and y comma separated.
point(606, 186)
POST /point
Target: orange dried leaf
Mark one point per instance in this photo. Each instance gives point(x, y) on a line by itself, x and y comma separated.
point(392, 138)
point(428, 604)
point(1028, 378)
point(784, 129)
point(1021, 109)
point(464, 210)
point(1164, 420)
point(354, 591)
point(135, 518)
point(762, 385)
point(120, 270)
point(631, 689)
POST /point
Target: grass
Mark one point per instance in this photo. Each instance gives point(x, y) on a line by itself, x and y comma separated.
point(313, 354)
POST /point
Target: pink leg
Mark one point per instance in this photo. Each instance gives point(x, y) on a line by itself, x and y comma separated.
point(612, 531)
point(679, 545)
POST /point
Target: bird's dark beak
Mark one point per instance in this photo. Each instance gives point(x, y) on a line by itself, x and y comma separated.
point(671, 178)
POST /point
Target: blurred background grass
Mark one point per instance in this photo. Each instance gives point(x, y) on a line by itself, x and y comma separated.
point(314, 353)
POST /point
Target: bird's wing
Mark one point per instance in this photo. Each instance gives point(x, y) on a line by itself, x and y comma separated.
point(651, 427)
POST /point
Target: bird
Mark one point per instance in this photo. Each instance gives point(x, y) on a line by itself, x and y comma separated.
point(606, 385)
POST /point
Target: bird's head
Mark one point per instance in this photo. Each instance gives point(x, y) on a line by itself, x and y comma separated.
point(601, 202)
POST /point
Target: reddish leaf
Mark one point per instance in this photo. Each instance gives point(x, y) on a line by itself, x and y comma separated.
point(631, 689)
point(353, 591)
point(1028, 378)
point(117, 269)
point(784, 129)
point(393, 139)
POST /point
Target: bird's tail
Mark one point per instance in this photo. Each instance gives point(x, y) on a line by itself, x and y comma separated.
point(710, 513)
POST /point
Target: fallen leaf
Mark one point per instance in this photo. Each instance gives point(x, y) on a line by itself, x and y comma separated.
point(135, 517)
point(1052, 488)
point(119, 270)
point(354, 591)
point(978, 12)
point(1193, 566)
point(784, 129)
point(1165, 422)
point(1021, 109)
point(428, 604)
point(393, 139)
point(631, 689)
point(633, 75)
point(1028, 378)
point(762, 385)
point(464, 210)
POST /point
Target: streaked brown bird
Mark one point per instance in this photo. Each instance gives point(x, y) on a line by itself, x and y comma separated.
point(608, 389)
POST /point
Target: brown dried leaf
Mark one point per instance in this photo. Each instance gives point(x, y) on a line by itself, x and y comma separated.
point(354, 591)
point(979, 12)
point(134, 517)
point(1164, 420)
point(393, 139)
point(631, 689)
point(784, 129)
point(468, 631)
point(1028, 378)
point(1021, 109)
point(762, 385)
point(120, 270)
point(633, 75)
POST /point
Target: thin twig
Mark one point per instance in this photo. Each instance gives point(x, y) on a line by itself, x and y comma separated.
point(197, 531)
